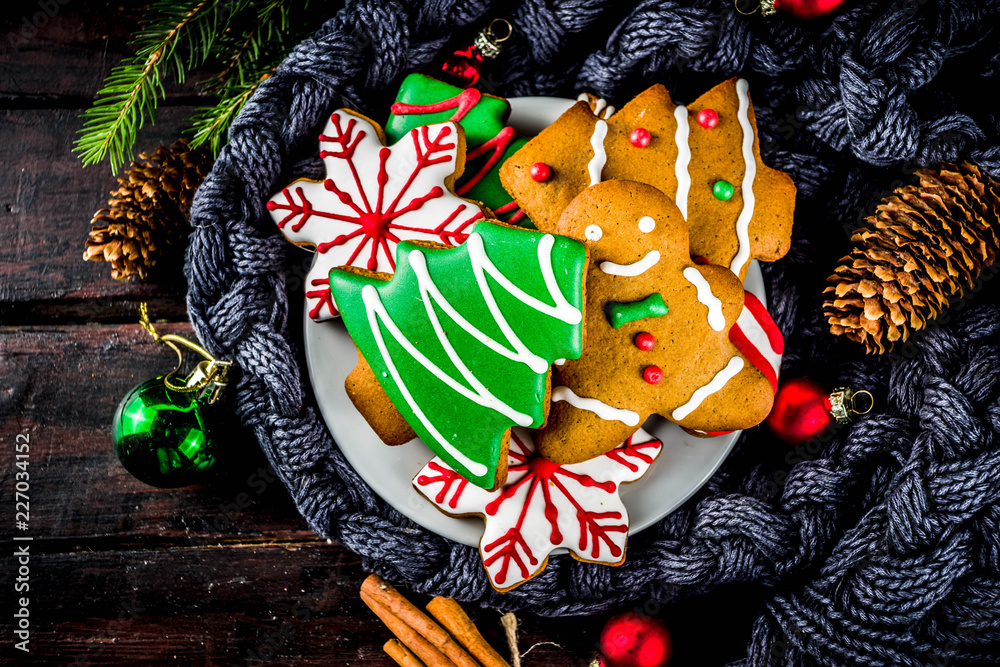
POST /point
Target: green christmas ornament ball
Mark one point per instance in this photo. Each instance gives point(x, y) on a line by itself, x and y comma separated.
point(164, 437)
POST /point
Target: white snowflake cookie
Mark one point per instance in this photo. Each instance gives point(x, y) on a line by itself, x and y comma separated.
point(373, 197)
point(544, 505)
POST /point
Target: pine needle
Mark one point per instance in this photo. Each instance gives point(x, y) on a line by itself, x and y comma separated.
point(133, 89)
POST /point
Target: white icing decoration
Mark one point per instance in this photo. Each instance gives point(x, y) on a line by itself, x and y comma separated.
point(602, 410)
point(599, 106)
point(560, 362)
point(523, 511)
point(430, 295)
point(683, 159)
point(734, 366)
point(596, 164)
point(716, 319)
point(743, 222)
point(593, 233)
point(633, 269)
point(646, 224)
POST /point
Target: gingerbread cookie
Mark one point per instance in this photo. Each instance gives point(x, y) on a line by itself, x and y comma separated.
point(374, 197)
point(489, 140)
point(544, 506)
point(706, 157)
point(657, 331)
point(461, 339)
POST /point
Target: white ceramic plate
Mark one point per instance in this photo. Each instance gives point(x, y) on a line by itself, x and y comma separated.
point(682, 468)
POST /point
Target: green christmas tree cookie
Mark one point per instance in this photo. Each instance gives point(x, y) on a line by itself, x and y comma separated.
point(462, 339)
point(489, 140)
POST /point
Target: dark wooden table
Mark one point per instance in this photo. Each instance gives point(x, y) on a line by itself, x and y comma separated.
point(119, 572)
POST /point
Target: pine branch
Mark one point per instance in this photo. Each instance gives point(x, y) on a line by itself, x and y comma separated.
point(133, 89)
point(211, 124)
point(242, 54)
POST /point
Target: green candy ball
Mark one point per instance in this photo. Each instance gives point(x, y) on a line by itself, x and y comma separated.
point(722, 190)
point(163, 437)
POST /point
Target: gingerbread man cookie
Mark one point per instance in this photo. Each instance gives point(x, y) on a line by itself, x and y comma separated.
point(705, 156)
point(657, 331)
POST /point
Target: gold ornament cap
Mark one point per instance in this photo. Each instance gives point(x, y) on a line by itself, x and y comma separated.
point(843, 404)
point(490, 38)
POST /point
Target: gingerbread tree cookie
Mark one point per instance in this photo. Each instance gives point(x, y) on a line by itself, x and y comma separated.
point(705, 156)
point(489, 140)
point(374, 196)
point(462, 339)
point(657, 331)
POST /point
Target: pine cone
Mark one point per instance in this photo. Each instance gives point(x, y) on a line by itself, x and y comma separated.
point(147, 214)
point(924, 245)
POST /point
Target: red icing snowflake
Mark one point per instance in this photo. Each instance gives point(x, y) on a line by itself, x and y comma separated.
point(544, 505)
point(373, 197)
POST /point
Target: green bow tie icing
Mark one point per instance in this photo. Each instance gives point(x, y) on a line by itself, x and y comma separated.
point(620, 314)
point(489, 140)
point(461, 339)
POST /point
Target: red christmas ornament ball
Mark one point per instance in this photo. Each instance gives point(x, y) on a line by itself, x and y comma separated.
point(632, 640)
point(540, 172)
point(808, 9)
point(801, 411)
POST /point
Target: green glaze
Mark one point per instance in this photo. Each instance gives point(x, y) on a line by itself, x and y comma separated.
point(473, 430)
point(481, 123)
point(163, 437)
point(620, 314)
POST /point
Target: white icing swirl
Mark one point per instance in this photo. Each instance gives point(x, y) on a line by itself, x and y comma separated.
point(750, 173)
point(716, 319)
point(633, 269)
point(734, 366)
point(602, 410)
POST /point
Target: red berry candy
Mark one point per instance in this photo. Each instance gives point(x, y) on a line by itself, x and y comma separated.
point(631, 640)
point(540, 172)
point(653, 374)
point(708, 118)
point(639, 137)
point(645, 341)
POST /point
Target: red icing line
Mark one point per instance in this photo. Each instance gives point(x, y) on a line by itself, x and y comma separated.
point(324, 295)
point(465, 100)
point(498, 145)
point(701, 261)
point(747, 349)
point(763, 317)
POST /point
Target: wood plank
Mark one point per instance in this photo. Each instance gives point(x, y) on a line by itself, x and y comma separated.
point(45, 217)
point(203, 606)
point(56, 53)
point(61, 387)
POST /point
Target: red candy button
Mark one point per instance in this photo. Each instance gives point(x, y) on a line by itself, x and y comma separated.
point(708, 118)
point(540, 172)
point(652, 374)
point(645, 341)
point(639, 137)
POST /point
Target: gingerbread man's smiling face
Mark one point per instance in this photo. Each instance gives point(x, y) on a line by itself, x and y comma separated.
point(657, 326)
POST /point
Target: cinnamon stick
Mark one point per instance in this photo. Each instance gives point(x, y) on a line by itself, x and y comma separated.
point(451, 615)
point(380, 592)
point(406, 634)
point(403, 656)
